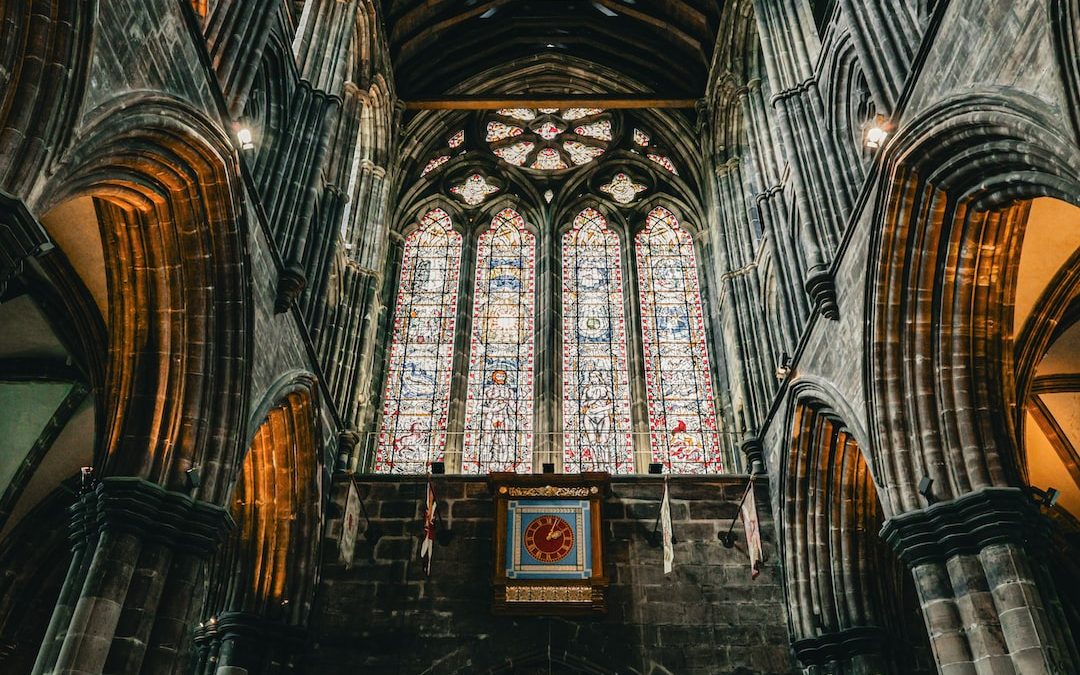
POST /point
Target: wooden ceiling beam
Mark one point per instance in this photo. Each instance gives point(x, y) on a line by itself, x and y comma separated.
point(610, 102)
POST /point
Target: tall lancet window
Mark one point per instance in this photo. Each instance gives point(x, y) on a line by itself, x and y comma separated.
point(499, 404)
point(417, 395)
point(596, 387)
point(682, 418)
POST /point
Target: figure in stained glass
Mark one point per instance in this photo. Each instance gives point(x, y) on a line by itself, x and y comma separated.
point(682, 417)
point(596, 389)
point(417, 393)
point(498, 409)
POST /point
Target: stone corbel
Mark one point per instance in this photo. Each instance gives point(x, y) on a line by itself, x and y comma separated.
point(291, 283)
point(821, 287)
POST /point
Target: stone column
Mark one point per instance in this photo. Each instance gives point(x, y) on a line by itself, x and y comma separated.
point(988, 605)
point(238, 643)
point(130, 585)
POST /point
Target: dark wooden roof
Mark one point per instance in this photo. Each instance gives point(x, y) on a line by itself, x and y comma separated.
point(664, 44)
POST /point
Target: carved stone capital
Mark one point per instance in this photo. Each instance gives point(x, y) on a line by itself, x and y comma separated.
point(149, 511)
point(965, 525)
point(754, 451)
point(840, 646)
point(291, 283)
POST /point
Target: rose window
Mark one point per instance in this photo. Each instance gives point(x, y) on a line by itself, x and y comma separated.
point(548, 139)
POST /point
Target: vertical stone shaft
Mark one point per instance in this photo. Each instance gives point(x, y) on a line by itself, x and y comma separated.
point(886, 36)
point(236, 35)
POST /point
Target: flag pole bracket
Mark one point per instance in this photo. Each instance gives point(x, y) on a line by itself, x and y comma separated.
point(728, 538)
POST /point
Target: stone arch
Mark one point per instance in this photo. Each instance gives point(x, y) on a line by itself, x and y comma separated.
point(949, 227)
point(164, 180)
point(264, 579)
point(164, 176)
point(941, 376)
point(839, 577)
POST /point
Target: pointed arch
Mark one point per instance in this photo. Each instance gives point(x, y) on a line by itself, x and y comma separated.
point(682, 412)
point(499, 405)
point(416, 398)
point(597, 428)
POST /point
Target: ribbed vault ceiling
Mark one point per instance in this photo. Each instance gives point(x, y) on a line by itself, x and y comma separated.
point(664, 44)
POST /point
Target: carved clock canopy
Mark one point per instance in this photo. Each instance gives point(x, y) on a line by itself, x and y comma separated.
point(548, 555)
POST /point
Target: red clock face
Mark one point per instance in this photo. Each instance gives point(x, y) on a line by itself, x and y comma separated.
point(549, 538)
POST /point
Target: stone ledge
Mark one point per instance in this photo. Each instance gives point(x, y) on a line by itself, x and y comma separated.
point(147, 510)
point(965, 525)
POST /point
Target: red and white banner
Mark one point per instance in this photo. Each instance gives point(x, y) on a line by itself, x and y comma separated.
point(752, 530)
point(427, 547)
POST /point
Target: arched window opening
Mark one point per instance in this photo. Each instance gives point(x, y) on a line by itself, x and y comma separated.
point(682, 418)
point(417, 395)
point(499, 405)
point(596, 387)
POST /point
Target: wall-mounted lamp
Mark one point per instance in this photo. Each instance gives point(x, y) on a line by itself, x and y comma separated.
point(656, 468)
point(877, 131)
point(549, 467)
point(784, 368)
point(247, 142)
point(1050, 497)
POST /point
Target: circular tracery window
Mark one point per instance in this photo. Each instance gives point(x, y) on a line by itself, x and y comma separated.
point(548, 139)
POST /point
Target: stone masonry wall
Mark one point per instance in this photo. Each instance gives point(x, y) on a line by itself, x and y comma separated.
point(385, 616)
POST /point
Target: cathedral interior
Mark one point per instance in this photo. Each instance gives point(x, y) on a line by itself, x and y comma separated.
point(304, 304)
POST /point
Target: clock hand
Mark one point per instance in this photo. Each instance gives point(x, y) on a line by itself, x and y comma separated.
point(554, 534)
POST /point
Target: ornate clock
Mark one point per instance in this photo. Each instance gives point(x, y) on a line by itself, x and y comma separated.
point(548, 549)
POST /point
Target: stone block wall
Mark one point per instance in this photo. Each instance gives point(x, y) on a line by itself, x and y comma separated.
point(384, 615)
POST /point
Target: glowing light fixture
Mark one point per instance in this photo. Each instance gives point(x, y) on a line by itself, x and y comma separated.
point(877, 132)
point(245, 138)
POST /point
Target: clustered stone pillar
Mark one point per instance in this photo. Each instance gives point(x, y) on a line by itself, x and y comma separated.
point(132, 587)
point(988, 605)
point(238, 643)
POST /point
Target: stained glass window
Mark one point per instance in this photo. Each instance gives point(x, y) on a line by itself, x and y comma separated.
point(548, 159)
point(596, 387)
point(578, 113)
point(496, 131)
point(663, 161)
point(682, 419)
point(457, 139)
point(622, 189)
point(641, 138)
point(474, 190)
point(516, 153)
point(517, 113)
point(417, 393)
point(435, 163)
point(581, 153)
point(499, 403)
point(545, 139)
point(600, 130)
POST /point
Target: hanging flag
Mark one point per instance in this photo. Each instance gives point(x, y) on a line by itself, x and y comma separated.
point(665, 529)
point(752, 530)
point(349, 525)
point(427, 547)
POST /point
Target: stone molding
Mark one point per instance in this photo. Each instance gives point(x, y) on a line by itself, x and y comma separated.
point(965, 525)
point(21, 236)
point(841, 645)
point(149, 511)
point(247, 625)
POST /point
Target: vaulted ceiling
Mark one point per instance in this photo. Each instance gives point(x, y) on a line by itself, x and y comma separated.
point(665, 45)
